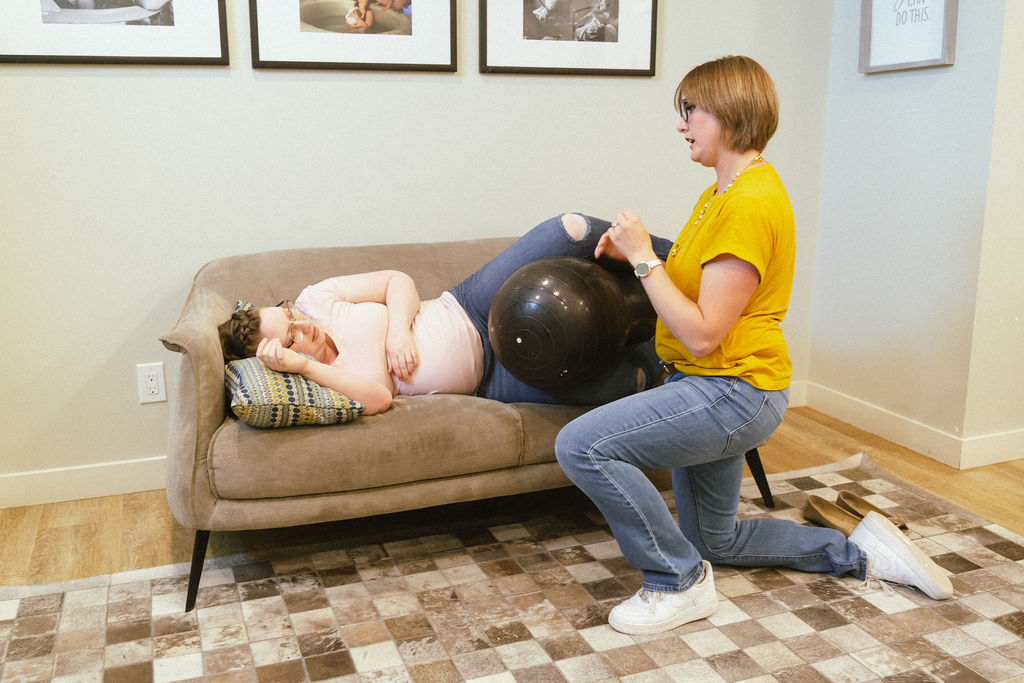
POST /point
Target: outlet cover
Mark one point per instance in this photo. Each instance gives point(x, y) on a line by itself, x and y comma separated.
point(152, 388)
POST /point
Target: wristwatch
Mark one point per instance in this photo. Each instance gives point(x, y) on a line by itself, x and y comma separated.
point(644, 268)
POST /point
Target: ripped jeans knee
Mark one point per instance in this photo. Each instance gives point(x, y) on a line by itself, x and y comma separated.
point(576, 226)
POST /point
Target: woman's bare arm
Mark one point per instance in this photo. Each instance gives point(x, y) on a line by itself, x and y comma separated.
point(726, 286)
point(372, 394)
point(397, 291)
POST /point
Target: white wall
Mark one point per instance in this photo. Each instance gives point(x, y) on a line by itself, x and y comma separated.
point(119, 183)
point(900, 309)
point(994, 419)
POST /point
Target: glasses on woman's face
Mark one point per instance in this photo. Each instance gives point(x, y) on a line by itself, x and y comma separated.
point(685, 109)
point(294, 333)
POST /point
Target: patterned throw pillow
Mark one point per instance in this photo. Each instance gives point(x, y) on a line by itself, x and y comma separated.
point(261, 397)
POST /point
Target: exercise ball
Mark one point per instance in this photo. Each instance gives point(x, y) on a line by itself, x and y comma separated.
point(561, 322)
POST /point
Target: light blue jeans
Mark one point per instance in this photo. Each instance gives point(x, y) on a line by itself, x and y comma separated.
point(700, 427)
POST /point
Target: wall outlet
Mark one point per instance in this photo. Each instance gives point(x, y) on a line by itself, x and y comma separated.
point(151, 382)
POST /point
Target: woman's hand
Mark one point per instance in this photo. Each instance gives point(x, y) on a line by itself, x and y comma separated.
point(275, 356)
point(627, 240)
point(402, 355)
point(372, 394)
point(607, 249)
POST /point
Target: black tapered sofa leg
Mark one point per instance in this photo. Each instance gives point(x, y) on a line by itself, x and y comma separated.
point(757, 471)
point(198, 558)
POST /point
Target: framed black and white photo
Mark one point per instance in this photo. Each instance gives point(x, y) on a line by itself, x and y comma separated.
point(394, 35)
point(586, 37)
point(906, 34)
point(113, 31)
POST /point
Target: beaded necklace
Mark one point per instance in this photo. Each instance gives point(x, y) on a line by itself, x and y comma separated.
point(759, 158)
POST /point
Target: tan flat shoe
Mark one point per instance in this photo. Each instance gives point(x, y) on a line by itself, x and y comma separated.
point(851, 502)
point(827, 513)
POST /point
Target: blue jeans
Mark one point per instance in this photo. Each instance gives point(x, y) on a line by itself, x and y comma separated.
point(700, 427)
point(476, 292)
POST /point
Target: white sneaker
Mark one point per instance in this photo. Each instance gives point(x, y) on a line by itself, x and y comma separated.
point(893, 558)
point(654, 611)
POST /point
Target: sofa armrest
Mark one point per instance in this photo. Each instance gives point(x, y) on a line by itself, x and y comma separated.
point(198, 407)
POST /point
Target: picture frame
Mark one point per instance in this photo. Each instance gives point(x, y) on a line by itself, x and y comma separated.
point(572, 37)
point(315, 34)
point(896, 35)
point(183, 32)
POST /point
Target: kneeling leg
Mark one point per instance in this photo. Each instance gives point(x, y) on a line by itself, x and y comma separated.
point(707, 499)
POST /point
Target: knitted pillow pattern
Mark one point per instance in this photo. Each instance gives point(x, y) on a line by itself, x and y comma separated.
point(264, 398)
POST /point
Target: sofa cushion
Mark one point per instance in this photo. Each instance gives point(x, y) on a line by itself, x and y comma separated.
point(419, 438)
point(541, 424)
point(261, 397)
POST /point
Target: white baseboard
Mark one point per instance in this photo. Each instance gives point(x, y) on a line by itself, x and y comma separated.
point(949, 449)
point(992, 448)
point(798, 394)
point(82, 481)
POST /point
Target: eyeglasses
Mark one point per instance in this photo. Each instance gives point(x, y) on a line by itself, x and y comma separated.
point(685, 109)
point(289, 310)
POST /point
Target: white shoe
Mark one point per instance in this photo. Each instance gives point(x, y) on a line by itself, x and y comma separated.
point(654, 611)
point(893, 558)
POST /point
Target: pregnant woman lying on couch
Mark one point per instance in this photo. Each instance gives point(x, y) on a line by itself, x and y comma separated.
point(370, 337)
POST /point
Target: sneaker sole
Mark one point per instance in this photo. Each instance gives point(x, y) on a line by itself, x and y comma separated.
point(931, 580)
point(705, 611)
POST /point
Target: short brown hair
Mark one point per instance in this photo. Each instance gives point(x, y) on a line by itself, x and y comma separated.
point(741, 95)
point(240, 334)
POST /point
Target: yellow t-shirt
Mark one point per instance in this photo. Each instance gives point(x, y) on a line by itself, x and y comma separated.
point(754, 222)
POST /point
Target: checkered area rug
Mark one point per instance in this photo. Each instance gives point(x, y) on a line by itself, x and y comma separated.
point(520, 590)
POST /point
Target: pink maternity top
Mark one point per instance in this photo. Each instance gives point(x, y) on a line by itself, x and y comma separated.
point(451, 354)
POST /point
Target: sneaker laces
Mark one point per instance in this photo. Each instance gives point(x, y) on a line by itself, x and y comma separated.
point(651, 601)
point(871, 577)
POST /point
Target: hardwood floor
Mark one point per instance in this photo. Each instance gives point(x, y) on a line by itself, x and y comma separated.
point(76, 539)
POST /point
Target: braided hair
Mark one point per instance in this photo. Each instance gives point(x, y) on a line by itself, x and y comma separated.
point(240, 334)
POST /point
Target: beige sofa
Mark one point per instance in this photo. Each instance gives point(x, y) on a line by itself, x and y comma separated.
point(424, 451)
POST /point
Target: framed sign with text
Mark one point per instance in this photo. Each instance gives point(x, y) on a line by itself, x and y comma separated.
point(906, 34)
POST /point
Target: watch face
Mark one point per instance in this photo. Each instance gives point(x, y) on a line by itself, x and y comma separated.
point(642, 269)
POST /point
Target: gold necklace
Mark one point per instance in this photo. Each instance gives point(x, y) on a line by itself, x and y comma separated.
point(759, 158)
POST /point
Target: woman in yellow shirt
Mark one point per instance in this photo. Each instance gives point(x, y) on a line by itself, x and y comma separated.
point(720, 296)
